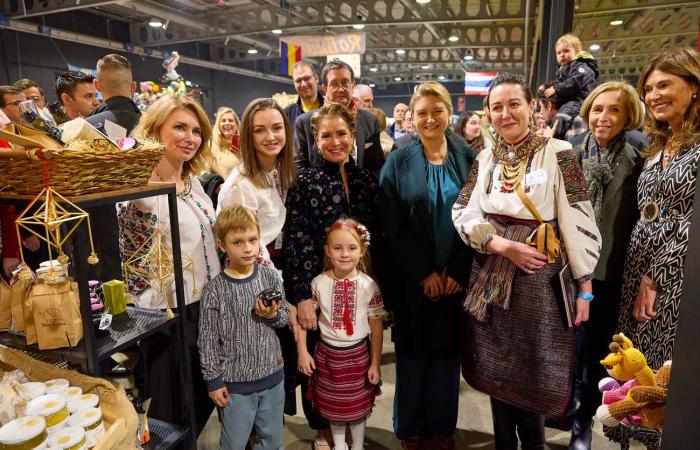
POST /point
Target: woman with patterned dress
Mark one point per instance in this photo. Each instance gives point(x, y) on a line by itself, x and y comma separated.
point(612, 167)
point(336, 189)
point(425, 271)
point(524, 208)
point(182, 126)
point(653, 279)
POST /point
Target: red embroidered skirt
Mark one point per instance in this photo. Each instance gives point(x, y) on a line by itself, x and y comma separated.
point(341, 391)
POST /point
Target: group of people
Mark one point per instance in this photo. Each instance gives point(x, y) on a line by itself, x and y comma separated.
point(303, 233)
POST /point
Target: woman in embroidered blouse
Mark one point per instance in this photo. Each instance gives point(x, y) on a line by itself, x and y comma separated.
point(425, 270)
point(518, 350)
point(182, 126)
point(267, 171)
point(654, 267)
point(225, 154)
point(612, 167)
point(322, 195)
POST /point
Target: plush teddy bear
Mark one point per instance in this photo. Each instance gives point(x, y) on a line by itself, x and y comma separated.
point(626, 362)
point(648, 402)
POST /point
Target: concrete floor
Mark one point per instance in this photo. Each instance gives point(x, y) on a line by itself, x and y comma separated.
point(474, 427)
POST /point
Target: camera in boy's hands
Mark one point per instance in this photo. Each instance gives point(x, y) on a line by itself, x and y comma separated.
point(267, 303)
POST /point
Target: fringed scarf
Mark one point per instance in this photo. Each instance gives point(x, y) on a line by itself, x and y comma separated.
point(599, 166)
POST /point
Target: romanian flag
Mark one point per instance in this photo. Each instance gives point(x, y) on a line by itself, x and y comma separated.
point(289, 54)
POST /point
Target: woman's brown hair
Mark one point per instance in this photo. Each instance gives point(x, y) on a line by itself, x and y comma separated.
point(285, 159)
point(477, 143)
point(683, 63)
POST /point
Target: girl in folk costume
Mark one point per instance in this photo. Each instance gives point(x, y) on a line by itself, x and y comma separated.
point(345, 373)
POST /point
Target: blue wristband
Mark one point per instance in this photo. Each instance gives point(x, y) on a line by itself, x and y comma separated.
point(585, 295)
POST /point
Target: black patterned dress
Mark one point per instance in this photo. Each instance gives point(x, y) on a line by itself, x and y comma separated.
point(657, 249)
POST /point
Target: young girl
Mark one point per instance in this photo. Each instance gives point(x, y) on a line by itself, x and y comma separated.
point(267, 171)
point(345, 377)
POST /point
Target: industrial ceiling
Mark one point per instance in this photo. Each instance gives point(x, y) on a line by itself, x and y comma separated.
point(440, 38)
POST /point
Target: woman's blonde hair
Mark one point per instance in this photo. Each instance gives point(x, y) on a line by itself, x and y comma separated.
point(285, 159)
point(354, 228)
point(219, 142)
point(683, 63)
point(572, 40)
point(630, 100)
point(154, 117)
point(434, 89)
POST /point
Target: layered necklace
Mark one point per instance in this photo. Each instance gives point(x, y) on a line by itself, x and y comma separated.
point(514, 159)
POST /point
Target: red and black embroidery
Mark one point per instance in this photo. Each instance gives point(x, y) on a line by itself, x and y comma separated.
point(344, 303)
point(466, 192)
point(377, 300)
point(574, 180)
point(587, 233)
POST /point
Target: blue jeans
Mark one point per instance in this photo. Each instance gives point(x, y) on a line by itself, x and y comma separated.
point(263, 410)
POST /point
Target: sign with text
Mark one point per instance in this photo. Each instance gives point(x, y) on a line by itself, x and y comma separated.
point(329, 44)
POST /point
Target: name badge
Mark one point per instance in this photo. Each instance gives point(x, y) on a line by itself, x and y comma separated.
point(536, 177)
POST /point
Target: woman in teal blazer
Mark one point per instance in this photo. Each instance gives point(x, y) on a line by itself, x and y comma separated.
point(425, 270)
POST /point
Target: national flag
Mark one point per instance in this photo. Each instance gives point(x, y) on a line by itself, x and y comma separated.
point(478, 83)
point(289, 54)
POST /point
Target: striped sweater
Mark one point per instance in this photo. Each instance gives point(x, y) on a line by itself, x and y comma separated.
point(239, 349)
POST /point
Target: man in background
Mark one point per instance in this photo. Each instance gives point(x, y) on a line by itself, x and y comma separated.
point(397, 130)
point(33, 91)
point(364, 98)
point(10, 98)
point(305, 79)
point(77, 94)
point(115, 82)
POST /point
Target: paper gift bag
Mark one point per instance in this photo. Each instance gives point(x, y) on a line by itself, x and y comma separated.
point(29, 328)
point(5, 309)
point(57, 315)
point(19, 289)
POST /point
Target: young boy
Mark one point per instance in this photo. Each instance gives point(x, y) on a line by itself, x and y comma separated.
point(575, 78)
point(240, 353)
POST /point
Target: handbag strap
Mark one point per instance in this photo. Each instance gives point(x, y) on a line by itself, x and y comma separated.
point(543, 238)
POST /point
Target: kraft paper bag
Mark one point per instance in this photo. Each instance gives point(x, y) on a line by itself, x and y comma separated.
point(19, 289)
point(57, 315)
point(5, 308)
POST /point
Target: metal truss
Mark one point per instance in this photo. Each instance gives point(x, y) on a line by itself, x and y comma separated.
point(19, 9)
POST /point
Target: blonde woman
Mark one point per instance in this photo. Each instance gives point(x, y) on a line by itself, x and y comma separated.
point(182, 126)
point(224, 144)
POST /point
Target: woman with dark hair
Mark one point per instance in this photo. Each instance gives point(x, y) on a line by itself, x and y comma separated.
point(336, 189)
point(469, 127)
point(653, 280)
point(424, 274)
point(525, 209)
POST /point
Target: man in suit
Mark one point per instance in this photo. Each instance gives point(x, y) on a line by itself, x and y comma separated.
point(338, 82)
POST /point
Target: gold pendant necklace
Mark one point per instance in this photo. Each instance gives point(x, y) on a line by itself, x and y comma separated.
point(514, 160)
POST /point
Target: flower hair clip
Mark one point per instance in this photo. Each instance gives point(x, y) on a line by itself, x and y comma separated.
point(360, 229)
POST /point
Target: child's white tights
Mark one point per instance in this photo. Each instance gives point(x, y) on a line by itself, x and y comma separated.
point(358, 436)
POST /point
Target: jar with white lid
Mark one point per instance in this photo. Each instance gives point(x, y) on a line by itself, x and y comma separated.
point(71, 438)
point(51, 407)
point(57, 386)
point(91, 421)
point(85, 401)
point(72, 393)
point(25, 433)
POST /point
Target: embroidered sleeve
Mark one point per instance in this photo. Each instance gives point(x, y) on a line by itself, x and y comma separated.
point(580, 234)
point(136, 226)
point(376, 303)
point(574, 180)
point(467, 215)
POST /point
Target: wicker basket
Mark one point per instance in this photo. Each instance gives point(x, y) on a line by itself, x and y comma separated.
point(77, 172)
point(121, 421)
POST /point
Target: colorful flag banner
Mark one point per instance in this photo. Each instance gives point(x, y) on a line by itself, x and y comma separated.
point(478, 83)
point(289, 54)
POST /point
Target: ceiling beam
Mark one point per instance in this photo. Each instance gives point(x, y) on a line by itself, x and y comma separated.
point(23, 9)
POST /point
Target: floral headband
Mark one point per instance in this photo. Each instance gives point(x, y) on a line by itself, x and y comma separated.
point(360, 229)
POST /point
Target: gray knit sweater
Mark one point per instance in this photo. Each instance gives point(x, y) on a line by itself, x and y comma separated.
point(239, 349)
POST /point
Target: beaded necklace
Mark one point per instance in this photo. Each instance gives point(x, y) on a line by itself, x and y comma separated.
point(187, 197)
point(514, 159)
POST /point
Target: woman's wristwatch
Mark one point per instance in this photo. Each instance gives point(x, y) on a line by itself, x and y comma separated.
point(585, 295)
